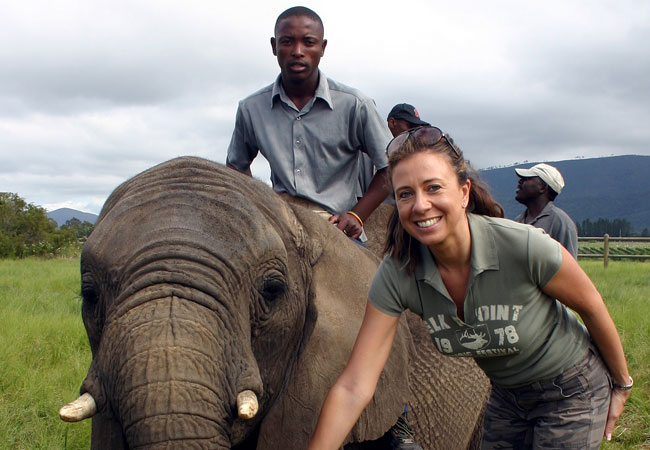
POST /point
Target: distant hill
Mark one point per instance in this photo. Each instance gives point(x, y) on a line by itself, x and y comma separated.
point(62, 215)
point(616, 187)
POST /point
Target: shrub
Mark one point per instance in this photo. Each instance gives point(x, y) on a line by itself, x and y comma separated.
point(25, 230)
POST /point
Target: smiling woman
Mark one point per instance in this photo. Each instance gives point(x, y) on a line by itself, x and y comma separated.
point(429, 201)
point(490, 289)
point(436, 182)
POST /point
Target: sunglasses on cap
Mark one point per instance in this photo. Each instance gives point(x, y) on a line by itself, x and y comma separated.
point(427, 134)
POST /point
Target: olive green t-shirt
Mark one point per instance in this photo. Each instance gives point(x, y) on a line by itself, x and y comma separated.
point(516, 333)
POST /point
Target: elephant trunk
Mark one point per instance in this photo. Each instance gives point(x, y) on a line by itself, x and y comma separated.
point(174, 375)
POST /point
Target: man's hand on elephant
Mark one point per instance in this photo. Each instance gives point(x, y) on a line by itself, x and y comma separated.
point(347, 223)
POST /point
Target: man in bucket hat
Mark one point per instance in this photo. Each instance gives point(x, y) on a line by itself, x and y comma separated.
point(536, 189)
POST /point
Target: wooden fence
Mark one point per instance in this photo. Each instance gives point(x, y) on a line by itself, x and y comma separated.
point(607, 247)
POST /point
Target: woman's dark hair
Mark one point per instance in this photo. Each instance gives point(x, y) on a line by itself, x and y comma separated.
point(398, 241)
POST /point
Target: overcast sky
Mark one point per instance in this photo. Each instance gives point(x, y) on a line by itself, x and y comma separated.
point(93, 92)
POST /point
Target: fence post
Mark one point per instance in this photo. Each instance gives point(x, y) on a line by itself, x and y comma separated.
point(606, 250)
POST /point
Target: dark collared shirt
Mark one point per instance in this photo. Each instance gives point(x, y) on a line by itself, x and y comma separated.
point(557, 224)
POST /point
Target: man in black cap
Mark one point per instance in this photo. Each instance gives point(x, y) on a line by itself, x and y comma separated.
point(403, 117)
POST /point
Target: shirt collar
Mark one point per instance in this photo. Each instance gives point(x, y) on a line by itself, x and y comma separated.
point(322, 91)
point(546, 211)
point(484, 255)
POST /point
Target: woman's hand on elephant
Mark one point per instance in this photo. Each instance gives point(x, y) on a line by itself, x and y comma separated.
point(347, 223)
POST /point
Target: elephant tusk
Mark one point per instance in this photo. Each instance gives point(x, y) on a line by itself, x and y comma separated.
point(82, 408)
point(247, 405)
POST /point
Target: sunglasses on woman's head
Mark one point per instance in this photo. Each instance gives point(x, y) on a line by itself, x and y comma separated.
point(427, 134)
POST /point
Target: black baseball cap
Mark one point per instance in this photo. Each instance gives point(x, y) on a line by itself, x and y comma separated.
point(407, 112)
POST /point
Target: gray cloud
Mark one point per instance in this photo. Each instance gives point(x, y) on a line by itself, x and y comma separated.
point(92, 93)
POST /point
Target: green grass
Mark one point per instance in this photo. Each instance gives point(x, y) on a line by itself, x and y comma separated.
point(44, 352)
point(625, 287)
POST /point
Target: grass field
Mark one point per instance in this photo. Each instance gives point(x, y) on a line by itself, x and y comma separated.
point(625, 287)
point(44, 352)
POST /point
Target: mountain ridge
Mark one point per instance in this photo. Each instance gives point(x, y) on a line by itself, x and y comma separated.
point(613, 187)
point(62, 215)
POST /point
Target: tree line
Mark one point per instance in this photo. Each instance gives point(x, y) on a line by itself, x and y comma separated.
point(615, 227)
point(25, 230)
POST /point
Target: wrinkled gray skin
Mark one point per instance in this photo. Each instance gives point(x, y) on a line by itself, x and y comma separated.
point(199, 282)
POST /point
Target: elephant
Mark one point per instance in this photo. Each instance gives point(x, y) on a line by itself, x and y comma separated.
point(219, 313)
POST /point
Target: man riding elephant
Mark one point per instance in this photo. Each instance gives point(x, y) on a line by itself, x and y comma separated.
point(313, 130)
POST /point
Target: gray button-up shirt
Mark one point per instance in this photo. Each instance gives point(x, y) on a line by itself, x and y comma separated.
point(557, 224)
point(313, 153)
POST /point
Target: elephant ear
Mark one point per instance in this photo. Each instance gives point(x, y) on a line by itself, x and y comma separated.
point(341, 277)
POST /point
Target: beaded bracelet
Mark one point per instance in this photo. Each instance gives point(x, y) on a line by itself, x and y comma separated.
point(353, 214)
point(624, 387)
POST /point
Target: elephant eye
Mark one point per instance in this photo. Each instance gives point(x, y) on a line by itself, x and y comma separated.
point(273, 289)
point(88, 289)
point(273, 286)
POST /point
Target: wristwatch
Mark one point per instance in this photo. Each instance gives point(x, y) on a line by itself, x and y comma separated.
point(624, 387)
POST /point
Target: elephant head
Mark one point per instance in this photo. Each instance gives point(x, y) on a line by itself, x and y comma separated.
point(202, 286)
